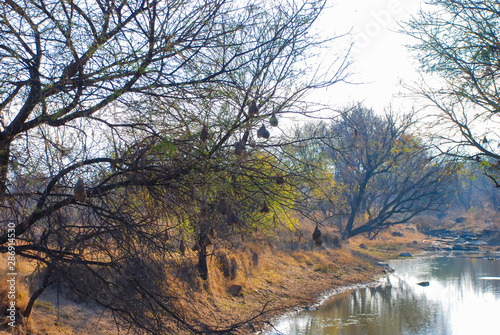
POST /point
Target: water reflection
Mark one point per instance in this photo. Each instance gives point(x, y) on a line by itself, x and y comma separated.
point(463, 297)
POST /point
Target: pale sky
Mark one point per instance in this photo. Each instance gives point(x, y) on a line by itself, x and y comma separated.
point(380, 57)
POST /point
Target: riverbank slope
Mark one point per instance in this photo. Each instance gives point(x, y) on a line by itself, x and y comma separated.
point(265, 282)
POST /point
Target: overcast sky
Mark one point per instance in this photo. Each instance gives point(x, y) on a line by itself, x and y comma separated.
point(380, 57)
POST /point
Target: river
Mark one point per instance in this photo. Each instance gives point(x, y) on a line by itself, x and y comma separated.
point(462, 297)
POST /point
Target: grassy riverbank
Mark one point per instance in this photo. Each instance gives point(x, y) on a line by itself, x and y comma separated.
point(273, 281)
point(276, 274)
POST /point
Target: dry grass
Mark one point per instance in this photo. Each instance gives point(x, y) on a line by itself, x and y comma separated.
point(65, 318)
point(281, 279)
point(21, 301)
point(281, 271)
point(471, 220)
point(51, 314)
point(20, 290)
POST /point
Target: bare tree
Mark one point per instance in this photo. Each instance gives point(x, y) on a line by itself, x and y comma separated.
point(382, 174)
point(131, 130)
point(457, 43)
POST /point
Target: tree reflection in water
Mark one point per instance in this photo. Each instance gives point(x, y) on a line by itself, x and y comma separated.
point(457, 301)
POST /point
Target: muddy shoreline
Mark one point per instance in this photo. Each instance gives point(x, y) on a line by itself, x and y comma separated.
point(285, 281)
point(377, 281)
point(324, 298)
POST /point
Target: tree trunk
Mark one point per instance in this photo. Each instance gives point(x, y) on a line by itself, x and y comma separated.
point(4, 165)
point(45, 283)
point(356, 205)
point(202, 257)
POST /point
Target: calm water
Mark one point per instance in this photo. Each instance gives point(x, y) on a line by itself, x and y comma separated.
point(463, 297)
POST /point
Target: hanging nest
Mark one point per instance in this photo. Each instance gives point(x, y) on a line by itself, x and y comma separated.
point(222, 206)
point(224, 264)
point(252, 109)
point(263, 132)
point(253, 144)
point(79, 191)
point(208, 241)
point(318, 240)
point(239, 148)
point(316, 233)
point(182, 247)
point(204, 208)
point(232, 218)
point(280, 180)
point(234, 181)
point(273, 120)
point(204, 134)
point(166, 235)
point(244, 155)
point(255, 258)
point(212, 232)
point(196, 247)
point(264, 208)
